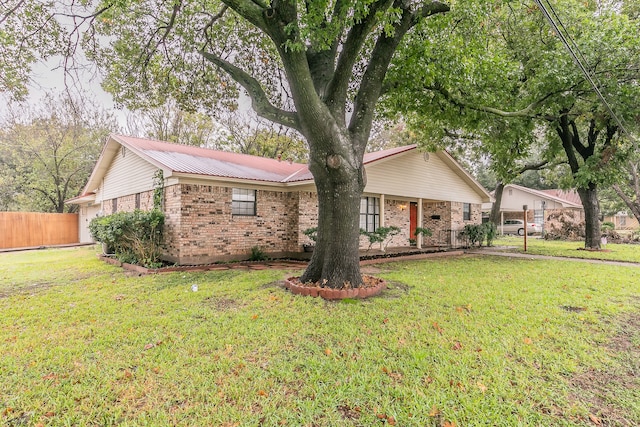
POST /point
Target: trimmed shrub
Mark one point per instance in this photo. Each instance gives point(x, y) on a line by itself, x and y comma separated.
point(135, 237)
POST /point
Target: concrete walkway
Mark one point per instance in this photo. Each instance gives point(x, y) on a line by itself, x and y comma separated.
point(486, 251)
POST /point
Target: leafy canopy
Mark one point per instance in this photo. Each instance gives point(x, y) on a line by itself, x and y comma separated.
point(502, 75)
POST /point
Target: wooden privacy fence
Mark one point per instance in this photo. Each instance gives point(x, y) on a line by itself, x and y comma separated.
point(26, 229)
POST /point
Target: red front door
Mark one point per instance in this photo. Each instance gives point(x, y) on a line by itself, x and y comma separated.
point(413, 219)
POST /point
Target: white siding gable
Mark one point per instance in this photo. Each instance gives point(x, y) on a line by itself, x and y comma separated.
point(410, 175)
point(513, 199)
point(128, 174)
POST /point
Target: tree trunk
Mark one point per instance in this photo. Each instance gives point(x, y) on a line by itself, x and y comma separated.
point(495, 209)
point(335, 261)
point(589, 198)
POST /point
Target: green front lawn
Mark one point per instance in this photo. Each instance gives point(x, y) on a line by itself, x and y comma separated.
point(571, 249)
point(464, 341)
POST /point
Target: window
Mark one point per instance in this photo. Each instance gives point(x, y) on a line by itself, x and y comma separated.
point(538, 216)
point(114, 205)
point(243, 202)
point(369, 213)
point(137, 200)
point(466, 211)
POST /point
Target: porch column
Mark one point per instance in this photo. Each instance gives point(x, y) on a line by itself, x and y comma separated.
point(382, 220)
point(419, 237)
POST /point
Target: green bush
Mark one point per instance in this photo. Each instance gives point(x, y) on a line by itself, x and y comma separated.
point(474, 233)
point(426, 232)
point(257, 254)
point(607, 226)
point(491, 231)
point(135, 237)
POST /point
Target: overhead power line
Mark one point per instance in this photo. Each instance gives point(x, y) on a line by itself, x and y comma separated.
point(556, 24)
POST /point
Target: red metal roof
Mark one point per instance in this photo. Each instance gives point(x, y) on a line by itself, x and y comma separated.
point(571, 196)
point(203, 161)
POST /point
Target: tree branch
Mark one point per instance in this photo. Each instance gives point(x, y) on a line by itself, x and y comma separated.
point(322, 62)
point(633, 206)
point(432, 8)
point(585, 152)
point(167, 29)
point(212, 21)
point(527, 112)
point(383, 51)
point(564, 132)
point(633, 169)
point(356, 37)
point(10, 12)
point(533, 167)
point(251, 10)
point(260, 103)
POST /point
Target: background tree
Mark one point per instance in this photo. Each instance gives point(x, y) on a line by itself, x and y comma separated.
point(169, 123)
point(28, 33)
point(516, 74)
point(47, 154)
point(248, 134)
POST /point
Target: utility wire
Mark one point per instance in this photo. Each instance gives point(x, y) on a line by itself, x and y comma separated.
point(573, 54)
point(566, 32)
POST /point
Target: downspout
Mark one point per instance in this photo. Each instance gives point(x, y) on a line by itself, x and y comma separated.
point(419, 237)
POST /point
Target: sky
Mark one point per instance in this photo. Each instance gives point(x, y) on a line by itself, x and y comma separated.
point(48, 77)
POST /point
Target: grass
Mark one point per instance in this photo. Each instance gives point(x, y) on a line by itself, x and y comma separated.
point(465, 341)
point(572, 249)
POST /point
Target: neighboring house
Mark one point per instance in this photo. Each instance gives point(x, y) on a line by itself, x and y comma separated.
point(623, 221)
point(544, 207)
point(219, 205)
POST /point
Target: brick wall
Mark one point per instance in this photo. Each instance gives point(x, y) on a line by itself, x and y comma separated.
point(445, 219)
point(308, 215)
point(128, 203)
point(436, 216)
point(201, 227)
point(396, 213)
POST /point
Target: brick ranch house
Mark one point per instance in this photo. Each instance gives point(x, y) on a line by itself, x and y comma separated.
point(545, 207)
point(218, 205)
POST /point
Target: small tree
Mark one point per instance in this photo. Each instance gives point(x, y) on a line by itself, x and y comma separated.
point(491, 231)
point(381, 235)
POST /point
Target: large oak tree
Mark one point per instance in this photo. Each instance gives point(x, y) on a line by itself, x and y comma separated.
point(315, 66)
